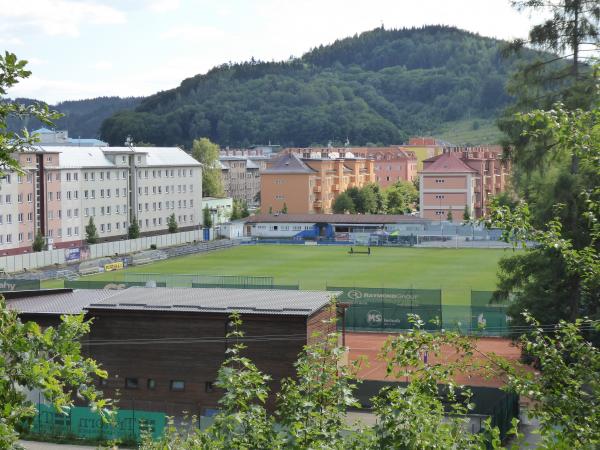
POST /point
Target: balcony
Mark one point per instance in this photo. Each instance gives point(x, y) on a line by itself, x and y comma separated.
point(318, 204)
point(336, 187)
point(317, 189)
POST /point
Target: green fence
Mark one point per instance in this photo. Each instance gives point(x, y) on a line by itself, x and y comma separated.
point(186, 280)
point(85, 424)
point(105, 284)
point(387, 309)
point(489, 317)
point(11, 284)
point(282, 287)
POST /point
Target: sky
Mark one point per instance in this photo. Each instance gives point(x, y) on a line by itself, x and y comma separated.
point(83, 49)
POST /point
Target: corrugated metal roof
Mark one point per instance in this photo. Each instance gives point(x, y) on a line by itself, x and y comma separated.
point(64, 303)
point(246, 301)
point(335, 218)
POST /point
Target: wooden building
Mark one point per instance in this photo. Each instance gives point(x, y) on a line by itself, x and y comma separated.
point(163, 347)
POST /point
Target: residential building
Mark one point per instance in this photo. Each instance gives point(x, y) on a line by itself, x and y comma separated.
point(310, 185)
point(61, 137)
point(241, 177)
point(461, 176)
point(63, 187)
point(172, 341)
point(392, 164)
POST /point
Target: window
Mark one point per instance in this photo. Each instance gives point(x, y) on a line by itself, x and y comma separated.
point(108, 210)
point(93, 193)
point(20, 237)
point(101, 191)
point(101, 176)
point(50, 196)
point(209, 387)
point(123, 158)
point(30, 236)
point(108, 227)
point(76, 212)
point(68, 176)
point(30, 217)
point(177, 385)
point(20, 179)
point(68, 195)
point(85, 176)
point(76, 231)
point(108, 193)
point(50, 215)
point(8, 238)
point(108, 175)
point(151, 383)
point(20, 218)
point(102, 227)
point(124, 173)
point(131, 383)
point(86, 212)
point(69, 231)
point(29, 197)
point(76, 176)
point(85, 194)
point(19, 198)
point(48, 177)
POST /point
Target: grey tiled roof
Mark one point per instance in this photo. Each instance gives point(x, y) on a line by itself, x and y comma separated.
point(62, 303)
point(289, 163)
point(245, 301)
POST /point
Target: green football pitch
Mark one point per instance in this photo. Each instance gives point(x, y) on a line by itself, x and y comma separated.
point(454, 271)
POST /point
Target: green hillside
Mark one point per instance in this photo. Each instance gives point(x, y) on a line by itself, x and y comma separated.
point(469, 132)
point(377, 87)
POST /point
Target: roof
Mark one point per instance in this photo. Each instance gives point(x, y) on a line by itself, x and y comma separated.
point(84, 141)
point(96, 156)
point(335, 218)
point(168, 156)
point(446, 162)
point(42, 130)
point(224, 301)
point(289, 163)
point(61, 302)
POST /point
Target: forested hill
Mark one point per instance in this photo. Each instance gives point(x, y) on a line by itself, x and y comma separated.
point(377, 87)
point(82, 118)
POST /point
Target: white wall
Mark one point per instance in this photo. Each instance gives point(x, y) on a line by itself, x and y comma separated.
point(17, 263)
point(277, 230)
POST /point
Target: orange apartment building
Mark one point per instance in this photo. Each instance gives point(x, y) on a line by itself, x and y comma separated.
point(310, 185)
point(461, 177)
point(391, 164)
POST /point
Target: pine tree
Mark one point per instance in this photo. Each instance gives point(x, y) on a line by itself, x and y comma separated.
point(134, 229)
point(450, 217)
point(91, 233)
point(172, 223)
point(38, 243)
point(206, 217)
point(466, 214)
point(284, 210)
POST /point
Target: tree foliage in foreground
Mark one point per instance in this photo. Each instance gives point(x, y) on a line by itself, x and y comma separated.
point(399, 198)
point(559, 277)
point(49, 360)
point(311, 407)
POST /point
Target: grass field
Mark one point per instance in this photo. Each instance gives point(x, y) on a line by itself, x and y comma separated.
point(455, 271)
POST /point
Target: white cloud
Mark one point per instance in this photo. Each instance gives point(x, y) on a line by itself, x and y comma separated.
point(162, 6)
point(192, 33)
point(56, 17)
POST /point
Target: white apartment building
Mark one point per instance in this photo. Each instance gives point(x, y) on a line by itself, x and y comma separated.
point(66, 186)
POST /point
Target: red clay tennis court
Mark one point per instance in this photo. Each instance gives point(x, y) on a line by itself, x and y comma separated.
point(369, 345)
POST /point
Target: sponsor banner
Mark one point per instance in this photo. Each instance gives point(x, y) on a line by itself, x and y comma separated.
point(72, 254)
point(408, 297)
point(113, 266)
point(84, 423)
point(387, 309)
point(9, 285)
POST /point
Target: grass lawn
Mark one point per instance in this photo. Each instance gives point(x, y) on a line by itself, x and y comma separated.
point(455, 271)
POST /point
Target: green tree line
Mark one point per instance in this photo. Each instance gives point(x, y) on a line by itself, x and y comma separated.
point(377, 87)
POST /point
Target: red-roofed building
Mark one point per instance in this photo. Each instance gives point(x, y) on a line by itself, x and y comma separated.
point(455, 179)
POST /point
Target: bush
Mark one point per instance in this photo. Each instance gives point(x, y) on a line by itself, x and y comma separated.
point(153, 247)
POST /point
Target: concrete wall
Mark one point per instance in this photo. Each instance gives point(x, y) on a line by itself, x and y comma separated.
point(30, 261)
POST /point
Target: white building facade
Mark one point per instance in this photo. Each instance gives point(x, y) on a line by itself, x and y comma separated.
point(64, 187)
